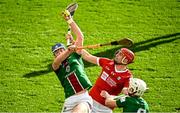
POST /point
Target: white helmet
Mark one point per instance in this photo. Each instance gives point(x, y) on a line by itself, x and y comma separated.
point(137, 87)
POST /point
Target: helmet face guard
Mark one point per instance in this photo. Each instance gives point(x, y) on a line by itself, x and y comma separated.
point(128, 56)
point(137, 87)
point(57, 46)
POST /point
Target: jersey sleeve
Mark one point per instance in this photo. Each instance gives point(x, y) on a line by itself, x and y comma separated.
point(56, 71)
point(103, 62)
point(121, 101)
point(76, 55)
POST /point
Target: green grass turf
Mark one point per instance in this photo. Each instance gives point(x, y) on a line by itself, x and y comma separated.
point(28, 29)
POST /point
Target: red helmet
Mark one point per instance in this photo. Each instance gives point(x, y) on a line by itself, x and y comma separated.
point(128, 54)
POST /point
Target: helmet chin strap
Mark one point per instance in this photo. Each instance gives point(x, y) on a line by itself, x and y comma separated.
point(119, 63)
point(122, 61)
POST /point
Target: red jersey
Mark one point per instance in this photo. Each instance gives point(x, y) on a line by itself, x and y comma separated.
point(110, 79)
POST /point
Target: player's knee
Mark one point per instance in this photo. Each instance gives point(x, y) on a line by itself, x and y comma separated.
point(81, 108)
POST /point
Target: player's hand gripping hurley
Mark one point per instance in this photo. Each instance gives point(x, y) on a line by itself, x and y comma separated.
point(71, 8)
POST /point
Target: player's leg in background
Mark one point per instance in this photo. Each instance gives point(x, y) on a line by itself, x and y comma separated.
point(83, 107)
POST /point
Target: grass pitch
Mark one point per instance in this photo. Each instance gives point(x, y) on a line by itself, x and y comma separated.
point(28, 29)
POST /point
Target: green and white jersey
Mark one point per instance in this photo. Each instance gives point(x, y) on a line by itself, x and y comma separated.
point(72, 75)
point(132, 104)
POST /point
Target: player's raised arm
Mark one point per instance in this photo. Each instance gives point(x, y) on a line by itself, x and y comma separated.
point(88, 57)
point(75, 29)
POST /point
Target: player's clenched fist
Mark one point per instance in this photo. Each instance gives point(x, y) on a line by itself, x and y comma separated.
point(72, 48)
point(66, 14)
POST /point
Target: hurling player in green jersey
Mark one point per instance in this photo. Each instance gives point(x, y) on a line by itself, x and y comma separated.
point(69, 69)
point(133, 102)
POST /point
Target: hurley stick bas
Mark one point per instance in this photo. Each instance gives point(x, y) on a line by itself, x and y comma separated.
point(127, 42)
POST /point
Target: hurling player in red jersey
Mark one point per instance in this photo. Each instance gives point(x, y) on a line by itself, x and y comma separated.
point(114, 77)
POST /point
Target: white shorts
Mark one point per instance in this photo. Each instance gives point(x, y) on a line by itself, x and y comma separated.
point(99, 108)
point(74, 100)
